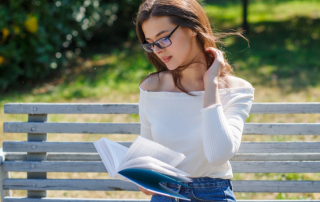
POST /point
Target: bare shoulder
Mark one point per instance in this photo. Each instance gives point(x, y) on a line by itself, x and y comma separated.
point(153, 82)
point(236, 82)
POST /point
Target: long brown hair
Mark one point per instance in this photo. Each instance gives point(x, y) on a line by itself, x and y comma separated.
point(189, 14)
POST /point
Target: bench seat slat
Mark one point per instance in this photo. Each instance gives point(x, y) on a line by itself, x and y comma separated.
point(133, 108)
point(88, 147)
point(237, 166)
point(112, 185)
point(134, 128)
point(238, 157)
point(16, 199)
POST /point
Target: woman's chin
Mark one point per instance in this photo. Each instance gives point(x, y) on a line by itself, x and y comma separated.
point(171, 67)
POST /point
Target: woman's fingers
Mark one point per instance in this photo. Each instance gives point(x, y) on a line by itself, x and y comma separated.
point(220, 53)
point(145, 191)
point(213, 51)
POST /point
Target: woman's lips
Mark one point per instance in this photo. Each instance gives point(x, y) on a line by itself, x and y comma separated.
point(167, 60)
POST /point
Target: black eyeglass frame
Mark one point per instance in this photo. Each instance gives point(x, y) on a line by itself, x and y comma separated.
point(156, 42)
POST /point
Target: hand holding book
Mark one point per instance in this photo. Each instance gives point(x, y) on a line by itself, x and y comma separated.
point(146, 191)
point(145, 163)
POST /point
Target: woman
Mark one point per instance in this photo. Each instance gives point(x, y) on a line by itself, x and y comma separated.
point(192, 104)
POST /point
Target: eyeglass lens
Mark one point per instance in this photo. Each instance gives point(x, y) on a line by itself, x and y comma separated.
point(162, 43)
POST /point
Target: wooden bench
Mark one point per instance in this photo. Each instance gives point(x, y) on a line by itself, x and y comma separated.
point(37, 156)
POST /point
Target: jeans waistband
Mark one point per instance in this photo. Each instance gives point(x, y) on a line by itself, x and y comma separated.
point(202, 182)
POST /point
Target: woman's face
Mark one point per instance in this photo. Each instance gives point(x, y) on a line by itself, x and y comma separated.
point(182, 41)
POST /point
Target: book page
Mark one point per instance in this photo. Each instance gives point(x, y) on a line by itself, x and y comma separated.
point(111, 153)
point(105, 157)
point(148, 159)
point(118, 151)
point(145, 147)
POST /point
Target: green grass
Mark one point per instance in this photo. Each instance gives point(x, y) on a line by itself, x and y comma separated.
point(282, 64)
point(228, 14)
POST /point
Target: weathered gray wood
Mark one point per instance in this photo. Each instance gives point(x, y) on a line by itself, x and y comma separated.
point(88, 147)
point(275, 166)
point(37, 156)
point(70, 184)
point(279, 147)
point(79, 147)
point(132, 108)
point(238, 157)
point(57, 157)
point(3, 175)
point(285, 108)
point(276, 186)
point(276, 157)
point(71, 108)
point(253, 157)
point(83, 128)
point(118, 185)
point(17, 199)
point(282, 129)
point(237, 166)
point(54, 166)
point(134, 128)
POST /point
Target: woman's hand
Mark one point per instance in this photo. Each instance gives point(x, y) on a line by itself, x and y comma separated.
point(218, 64)
point(145, 191)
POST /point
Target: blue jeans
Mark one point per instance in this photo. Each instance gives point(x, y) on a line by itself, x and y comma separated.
point(201, 189)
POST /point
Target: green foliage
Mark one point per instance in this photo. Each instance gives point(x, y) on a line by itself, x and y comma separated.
point(38, 38)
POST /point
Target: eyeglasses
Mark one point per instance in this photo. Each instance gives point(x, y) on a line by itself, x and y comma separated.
point(161, 43)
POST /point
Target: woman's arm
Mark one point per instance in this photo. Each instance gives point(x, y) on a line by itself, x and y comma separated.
point(222, 129)
point(145, 125)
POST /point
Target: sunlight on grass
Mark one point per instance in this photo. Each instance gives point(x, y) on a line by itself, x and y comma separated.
point(230, 14)
point(282, 64)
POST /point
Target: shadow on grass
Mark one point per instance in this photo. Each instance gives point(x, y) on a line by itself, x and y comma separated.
point(285, 52)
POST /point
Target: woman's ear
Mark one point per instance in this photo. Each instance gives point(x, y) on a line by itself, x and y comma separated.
point(192, 33)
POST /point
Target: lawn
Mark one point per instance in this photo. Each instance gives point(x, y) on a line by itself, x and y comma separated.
point(282, 64)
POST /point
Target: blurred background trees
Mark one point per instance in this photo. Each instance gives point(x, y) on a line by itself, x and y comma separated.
point(38, 38)
point(42, 40)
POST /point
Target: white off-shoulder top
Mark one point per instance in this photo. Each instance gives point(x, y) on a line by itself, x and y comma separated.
point(208, 137)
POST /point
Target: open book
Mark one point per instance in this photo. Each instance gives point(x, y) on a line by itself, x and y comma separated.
point(145, 163)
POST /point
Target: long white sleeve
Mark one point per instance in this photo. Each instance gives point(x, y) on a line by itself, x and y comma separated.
point(222, 128)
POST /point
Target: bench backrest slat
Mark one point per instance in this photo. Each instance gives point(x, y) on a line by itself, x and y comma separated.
point(237, 157)
point(109, 185)
point(57, 108)
point(88, 147)
point(132, 108)
point(134, 128)
point(81, 128)
point(237, 166)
